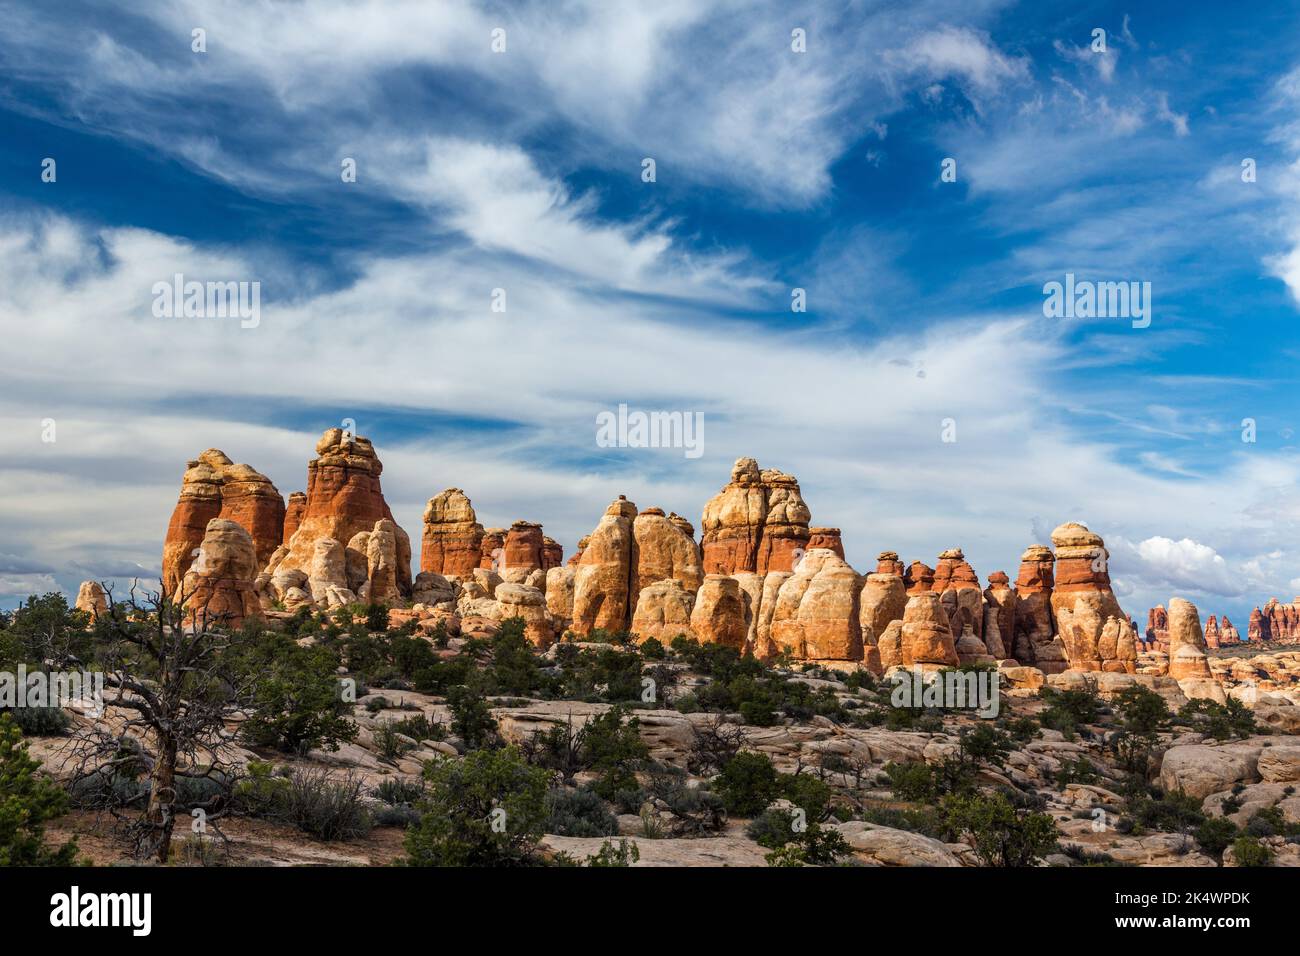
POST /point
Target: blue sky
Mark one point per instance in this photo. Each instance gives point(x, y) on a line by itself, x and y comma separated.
point(775, 170)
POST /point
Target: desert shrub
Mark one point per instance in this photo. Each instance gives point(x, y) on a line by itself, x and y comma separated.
point(748, 784)
point(398, 791)
point(1215, 835)
point(39, 721)
point(297, 703)
point(1070, 710)
point(624, 854)
point(693, 810)
point(578, 813)
point(1141, 710)
point(1220, 721)
point(376, 617)
point(612, 746)
point(652, 649)
point(471, 716)
point(772, 828)
point(390, 743)
point(514, 666)
point(487, 809)
point(314, 800)
point(45, 629)
point(1078, 770)
point(998, 832)
point(927, 821)
point(27, 801)
point(713, 744)
point(1249, 851)
point(1172, 812)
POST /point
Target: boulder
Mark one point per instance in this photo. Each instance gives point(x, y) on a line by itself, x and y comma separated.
point(1200, 770)
point(528, 603)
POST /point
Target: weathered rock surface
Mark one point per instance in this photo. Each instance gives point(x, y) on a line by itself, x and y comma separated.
point(344, 499)
point(663, 611)
point(219, 585)
point(718, 615)
point(452, 539)
point(1036, 642)
point(1186, 642)
point(816, 613)
point(1096, 632)
point(92, 599)
point(602, 583)
point(215, 487)
point(756, 523)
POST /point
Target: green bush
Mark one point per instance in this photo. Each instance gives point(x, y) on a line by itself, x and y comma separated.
point(1220, 721)
point(624, 854)
point(471, 716)
point(748, 784)
point(612, 746)
point(27, 801)
point(297, 703)
point(40, 721)
point(311, 799)
point(1249, 851)
point(1215, 835)
point(1000, 834)
point(487, 809)
point(578, 813)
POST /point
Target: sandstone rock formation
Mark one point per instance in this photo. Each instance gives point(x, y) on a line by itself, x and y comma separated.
point(215, 487)
point(999, 615)
point(528, 603)
point(344, 499)
point(552, 553)
point(665, 552)
point(756, 523)
point(816, 613)
point(92, 599)
point(523, 549)
point(492, 549)
point(219, 587)
point(1186, 642)
point(1277, 622)
point(559, 595)
point(603, 580)
point(718, 616)
point(1228, 634)
point(1212, 636)
point(293, 513)
point(663, 611)
point(959, 589)
point(924, 637)
point(828, 538)
point(452, 540)
point(1096, 632)
point(1158, 627)
point(1035, 641)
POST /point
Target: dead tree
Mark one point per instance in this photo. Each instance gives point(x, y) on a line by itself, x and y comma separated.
point(172, 688)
